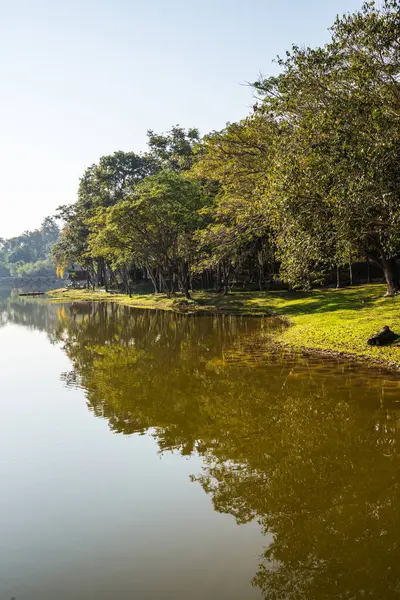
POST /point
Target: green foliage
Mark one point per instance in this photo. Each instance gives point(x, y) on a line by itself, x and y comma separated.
point(102, 185)
point(173, 150)
point(28, 254)
point(338, 175)
point(305, 183)
point(237, 238)
point(112, 179)
point(154, 226)
point(85, 238)
point(320, 154)
point(33, 269)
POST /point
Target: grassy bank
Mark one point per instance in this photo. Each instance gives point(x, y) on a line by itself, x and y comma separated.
point(327, 321)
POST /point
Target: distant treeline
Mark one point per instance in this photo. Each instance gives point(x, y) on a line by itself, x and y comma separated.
point(29, 254)
point(305, 184)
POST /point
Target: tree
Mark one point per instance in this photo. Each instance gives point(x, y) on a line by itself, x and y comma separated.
point(237, 237)
point(339, 106)
point(113, 178)
point(50, 233)
point(173, 150)
point(306, 182)
point(155, 227)
point(29, 253)
point(103, 185)
point(318, 158)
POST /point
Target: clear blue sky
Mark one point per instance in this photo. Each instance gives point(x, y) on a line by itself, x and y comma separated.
point(83, 78)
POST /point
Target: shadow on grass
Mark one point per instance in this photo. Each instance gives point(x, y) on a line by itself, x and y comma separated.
point(295, 303)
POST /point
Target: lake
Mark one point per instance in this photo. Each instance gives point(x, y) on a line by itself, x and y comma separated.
point(146, 454)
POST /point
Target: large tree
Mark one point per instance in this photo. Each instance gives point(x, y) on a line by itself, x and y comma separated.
point(155, 227)
point(319, 158)
point(338, 176)
point(102, 185)
point(236, 163)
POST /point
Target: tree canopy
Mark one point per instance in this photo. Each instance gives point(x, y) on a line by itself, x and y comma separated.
point(307, 182)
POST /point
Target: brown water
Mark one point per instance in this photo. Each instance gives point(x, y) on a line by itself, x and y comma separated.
point(147, 455)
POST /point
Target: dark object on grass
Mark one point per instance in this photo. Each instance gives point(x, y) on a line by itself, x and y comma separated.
point(384, 337)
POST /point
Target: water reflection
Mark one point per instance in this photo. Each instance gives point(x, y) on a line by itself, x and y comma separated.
point(310, 449)
point(30, 312)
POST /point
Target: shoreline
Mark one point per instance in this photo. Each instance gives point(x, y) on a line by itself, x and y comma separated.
point(329, 323)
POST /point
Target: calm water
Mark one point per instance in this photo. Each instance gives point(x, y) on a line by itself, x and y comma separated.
point(146, 455)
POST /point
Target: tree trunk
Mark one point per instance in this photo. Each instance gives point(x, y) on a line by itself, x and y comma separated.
point(368, 271)
point(260, 277)
point(337, 276)
point(152, 279)
point(185, 287)
point(100, 280)
point(391, 277)
point(173, 278)
point(125, 279)
point(185, 280)
point(165, 285)
point(350, 268)
point(105, 277)
point(218, 285)
point(225, 283)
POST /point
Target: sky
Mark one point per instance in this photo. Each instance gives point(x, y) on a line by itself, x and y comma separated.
point(83, 78)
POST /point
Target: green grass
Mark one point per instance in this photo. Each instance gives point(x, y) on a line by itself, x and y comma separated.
point(329, 321)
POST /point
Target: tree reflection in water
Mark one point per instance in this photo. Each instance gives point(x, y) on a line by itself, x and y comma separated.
point(310, 449)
